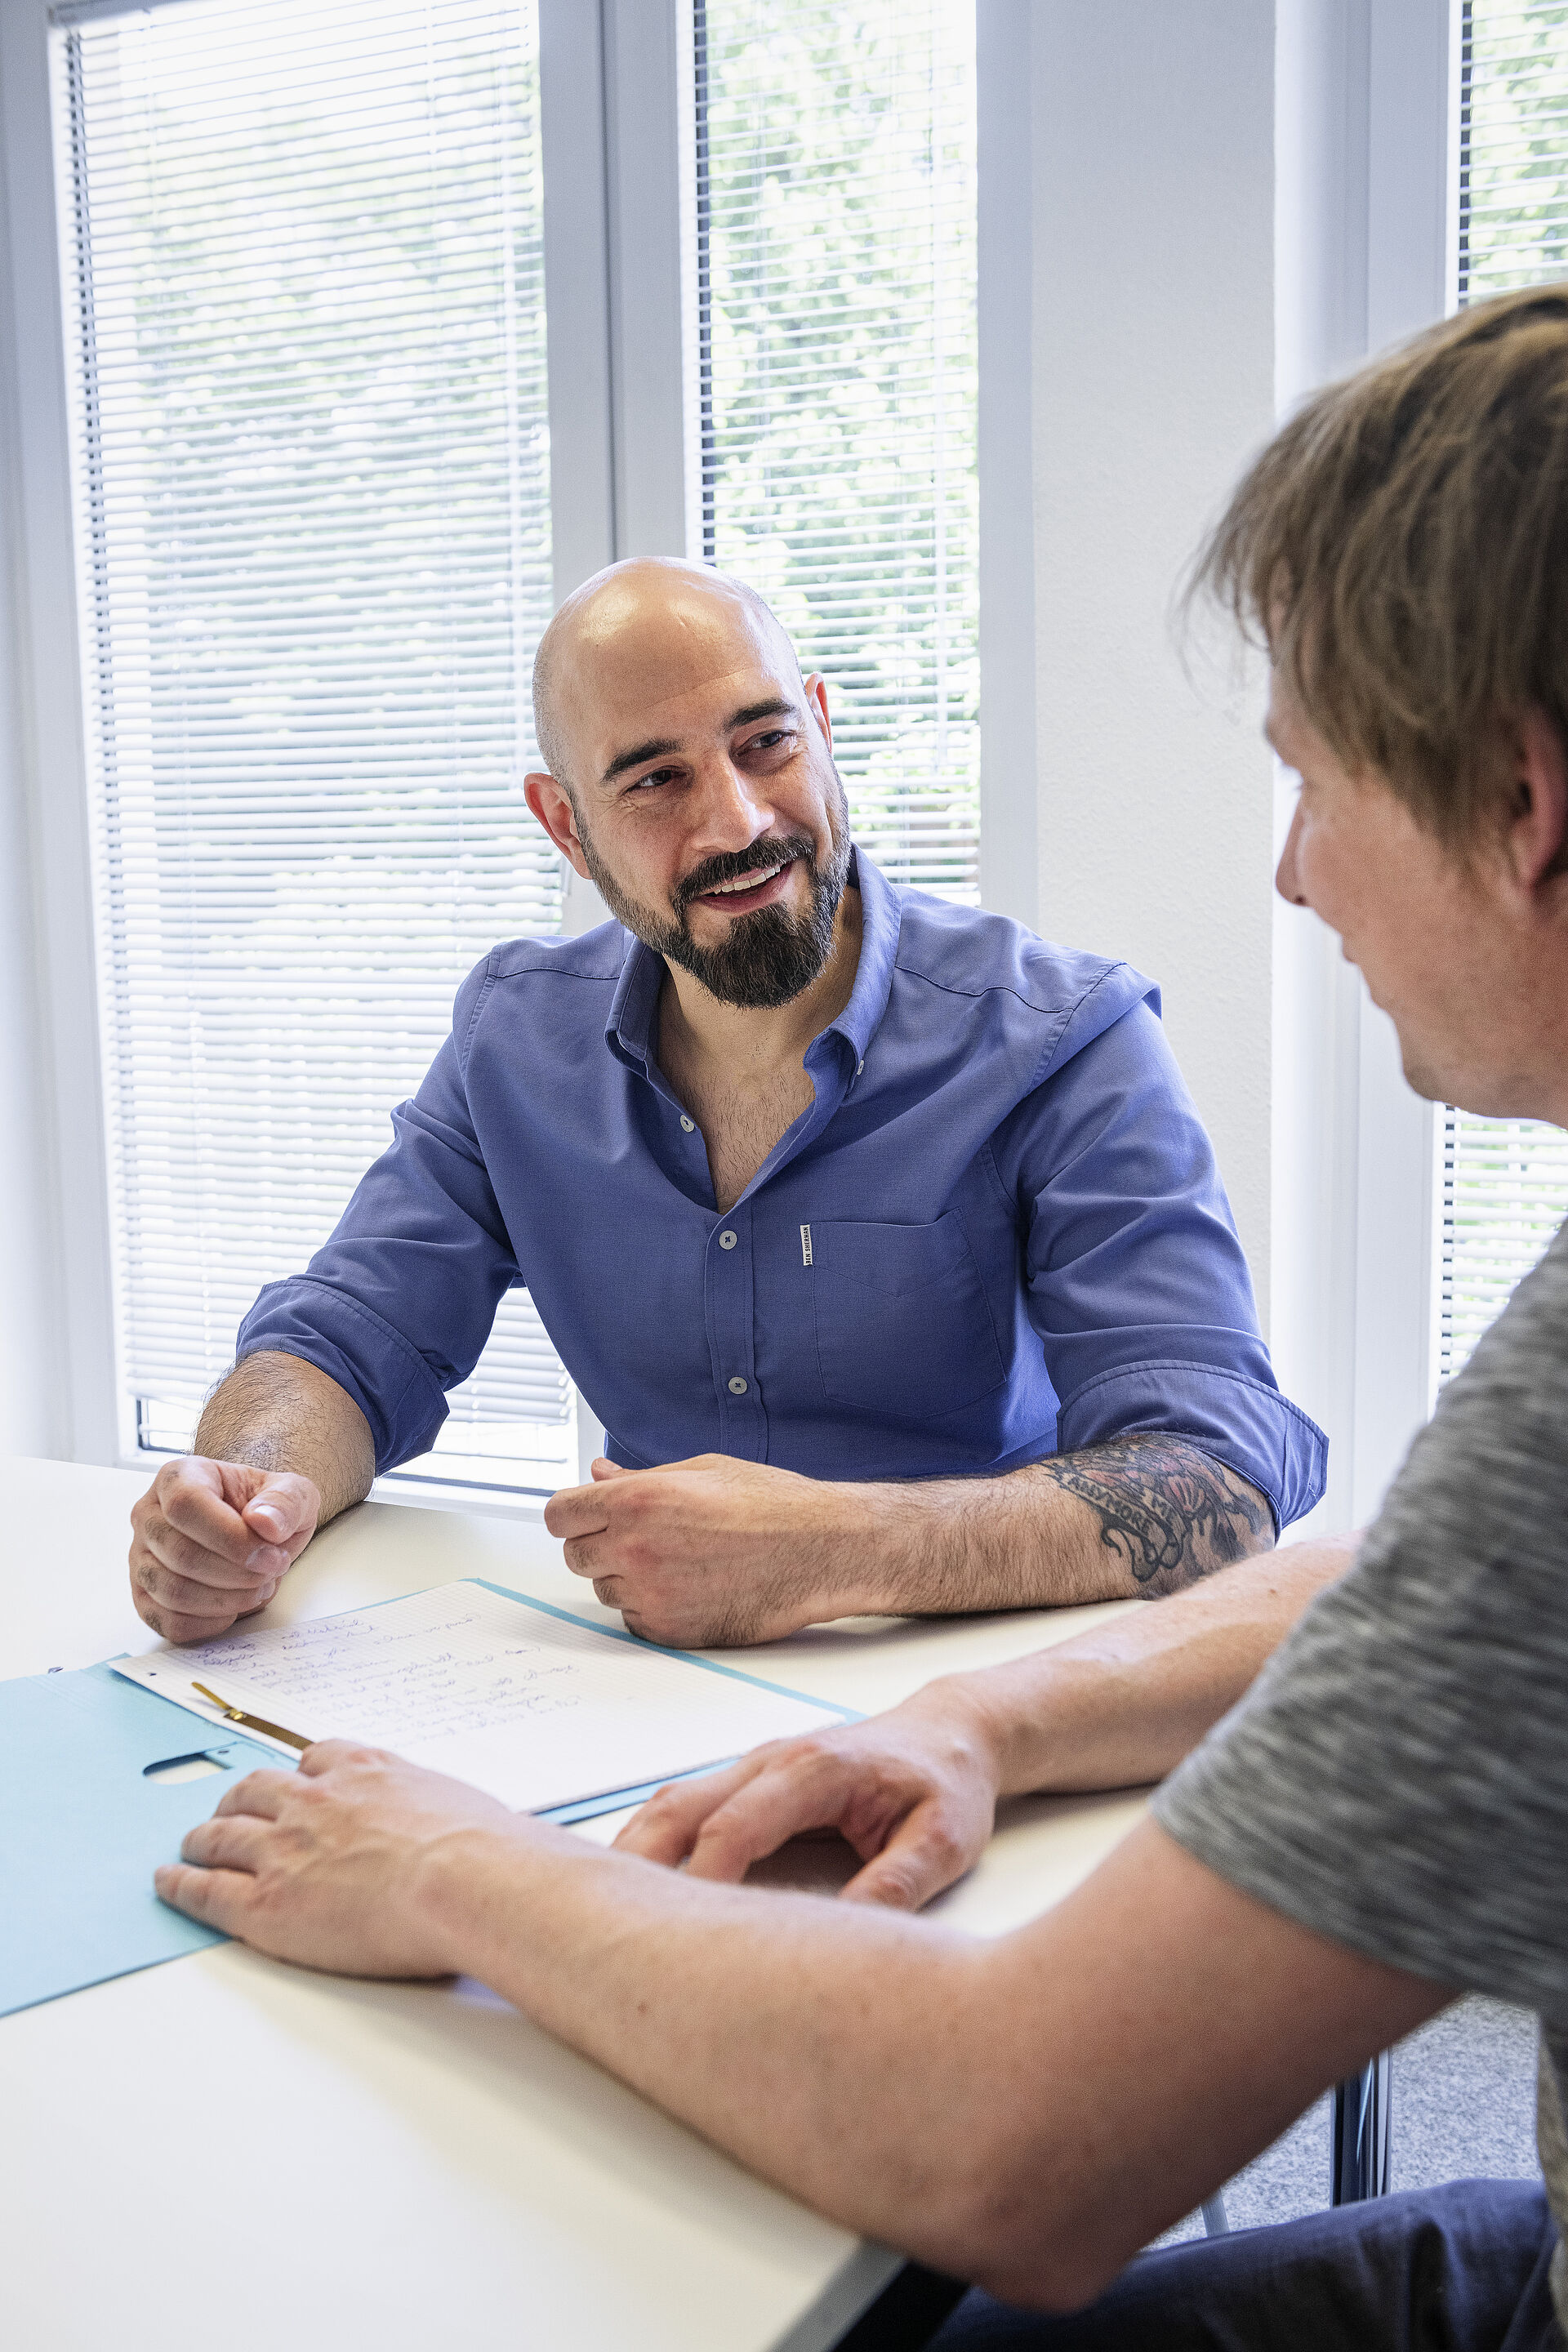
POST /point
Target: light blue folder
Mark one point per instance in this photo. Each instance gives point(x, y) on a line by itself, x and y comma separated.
point(82, 1828)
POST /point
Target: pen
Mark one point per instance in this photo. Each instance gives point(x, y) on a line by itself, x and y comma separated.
point(251, 1722)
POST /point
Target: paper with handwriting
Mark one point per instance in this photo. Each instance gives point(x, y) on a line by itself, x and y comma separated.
point(538, 1709)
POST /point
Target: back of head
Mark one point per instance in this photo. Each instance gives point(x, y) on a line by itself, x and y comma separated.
point(1402, 549)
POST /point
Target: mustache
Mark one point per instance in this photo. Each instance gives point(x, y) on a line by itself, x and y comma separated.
point(770, 851)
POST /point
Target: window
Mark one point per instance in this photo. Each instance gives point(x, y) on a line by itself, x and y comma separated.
point(306, 321)
point(1513, 145)
point(1505, 1182)
point(1505, 1192)
point(318, 536)
point(836, 225)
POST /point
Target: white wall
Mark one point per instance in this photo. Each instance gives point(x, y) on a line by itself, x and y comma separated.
point(1154, 380)
point(1364, 217)
point(1231, 202)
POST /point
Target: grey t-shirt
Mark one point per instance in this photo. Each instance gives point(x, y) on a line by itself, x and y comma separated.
point(1398, 1776)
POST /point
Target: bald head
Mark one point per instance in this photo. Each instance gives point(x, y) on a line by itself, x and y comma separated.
point(647, 625)
point(691, 777)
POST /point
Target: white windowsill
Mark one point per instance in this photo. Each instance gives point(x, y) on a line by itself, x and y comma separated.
point(439, 1494)
point(428, 1494)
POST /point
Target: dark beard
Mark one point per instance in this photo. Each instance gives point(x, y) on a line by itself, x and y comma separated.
point(769, 957)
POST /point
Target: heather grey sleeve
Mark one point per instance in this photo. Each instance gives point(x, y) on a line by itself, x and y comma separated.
point(1397, 1778)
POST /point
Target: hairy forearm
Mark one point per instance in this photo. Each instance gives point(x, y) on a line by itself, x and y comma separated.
point(278, 1413)
point(1023, 2113)
point(1138, 1518)
point(695, 1994)
point(1121, 1705)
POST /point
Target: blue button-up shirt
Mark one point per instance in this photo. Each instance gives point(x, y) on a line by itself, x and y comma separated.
point(998, 1231)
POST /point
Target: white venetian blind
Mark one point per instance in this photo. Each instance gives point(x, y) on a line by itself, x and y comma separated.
point(1505, 1192)
point(305, 315)
point(1505, 1182)
point(836, 185)
point(1513, 146)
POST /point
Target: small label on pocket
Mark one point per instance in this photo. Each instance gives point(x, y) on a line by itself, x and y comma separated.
point(805, 1244)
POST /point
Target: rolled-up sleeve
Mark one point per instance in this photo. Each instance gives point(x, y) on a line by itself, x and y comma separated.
point(398, 1305)
point(1136, 1282)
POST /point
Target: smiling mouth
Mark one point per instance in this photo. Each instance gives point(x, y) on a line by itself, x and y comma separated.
point(747, 890)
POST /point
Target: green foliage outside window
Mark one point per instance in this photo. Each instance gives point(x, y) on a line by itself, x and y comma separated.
point(838, 180)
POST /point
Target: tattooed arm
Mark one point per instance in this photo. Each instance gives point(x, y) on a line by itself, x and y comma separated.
point(1168, 1512)
point(1136, 1517)
point(715, 1550)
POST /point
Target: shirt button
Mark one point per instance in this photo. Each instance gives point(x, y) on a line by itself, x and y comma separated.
point(737, 1386)
point(687, 1125)
point(726, 1241)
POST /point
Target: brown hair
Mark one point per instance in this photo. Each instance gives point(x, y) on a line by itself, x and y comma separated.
point(1401, 548)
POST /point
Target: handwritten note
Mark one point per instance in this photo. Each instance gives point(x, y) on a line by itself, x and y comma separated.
point(538, 1709)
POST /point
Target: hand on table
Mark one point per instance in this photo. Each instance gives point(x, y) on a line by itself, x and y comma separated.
point(913, 1792)
point(709, 1551)
point(323, 1866)
point(211, 1541)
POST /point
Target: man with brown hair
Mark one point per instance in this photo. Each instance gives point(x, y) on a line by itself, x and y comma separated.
point(1380, 1822)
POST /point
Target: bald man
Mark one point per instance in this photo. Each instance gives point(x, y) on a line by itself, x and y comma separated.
point(881, 1235)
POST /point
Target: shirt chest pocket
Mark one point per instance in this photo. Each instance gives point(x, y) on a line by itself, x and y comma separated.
point(903, 1326)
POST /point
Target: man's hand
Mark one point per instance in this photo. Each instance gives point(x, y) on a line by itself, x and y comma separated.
point(711, 1551)
point(211, 1541)
point(715, 1551)
point(913, 1792)
point(326, 1866)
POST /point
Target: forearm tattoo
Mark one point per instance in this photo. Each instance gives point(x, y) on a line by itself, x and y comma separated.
point(1168, 1511)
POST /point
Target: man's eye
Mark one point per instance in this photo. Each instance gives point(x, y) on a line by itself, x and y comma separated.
point(768, 742)
point(654, 776)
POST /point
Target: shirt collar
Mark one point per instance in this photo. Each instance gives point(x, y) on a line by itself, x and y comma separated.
point(628, 1031)
point(879, 918)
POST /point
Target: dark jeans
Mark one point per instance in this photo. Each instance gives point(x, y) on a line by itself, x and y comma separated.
point(1458, 2269)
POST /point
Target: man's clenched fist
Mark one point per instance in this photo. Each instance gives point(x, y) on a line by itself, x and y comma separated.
point(716, 1551)
point(212, 1540)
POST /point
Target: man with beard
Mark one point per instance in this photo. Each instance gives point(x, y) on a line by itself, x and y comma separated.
point(882, 1236)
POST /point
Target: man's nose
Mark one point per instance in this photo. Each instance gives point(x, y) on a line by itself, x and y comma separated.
point(730, 812)
point(1287, 875)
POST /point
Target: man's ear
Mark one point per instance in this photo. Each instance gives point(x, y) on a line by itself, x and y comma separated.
point(816, 695)
point(1538, 824)
point(552, 804)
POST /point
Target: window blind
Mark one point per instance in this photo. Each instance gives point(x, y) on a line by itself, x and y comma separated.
point(1513, 145)
point(1505, 1182)
point(1505, 1192)
point(305, 318)
point(836, 216)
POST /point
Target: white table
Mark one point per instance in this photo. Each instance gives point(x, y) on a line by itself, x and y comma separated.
point(225, 2150)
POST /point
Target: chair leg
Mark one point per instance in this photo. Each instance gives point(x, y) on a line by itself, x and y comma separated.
point(1216, 2220)
point(906, 2314)
point(1359, 2151)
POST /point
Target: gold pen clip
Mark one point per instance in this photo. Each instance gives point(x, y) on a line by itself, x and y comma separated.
point(251, 1722)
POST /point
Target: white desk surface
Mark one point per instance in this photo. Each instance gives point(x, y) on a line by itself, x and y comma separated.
point(225, 2150)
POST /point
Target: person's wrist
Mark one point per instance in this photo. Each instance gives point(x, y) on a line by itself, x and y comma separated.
point(961, 1708)
point(467, 1884)
point(1011, 1717)
point(861, 1532)
point(455, 1890)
